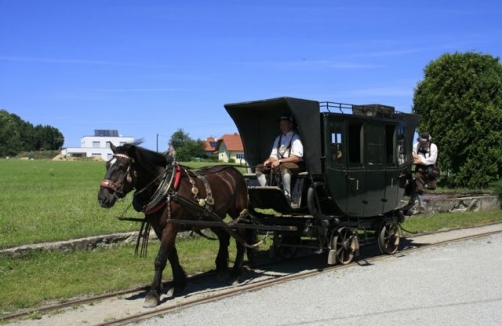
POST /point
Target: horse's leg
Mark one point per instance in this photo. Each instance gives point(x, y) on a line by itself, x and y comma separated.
point(252, 253)
point(167, 249)
point(236, 271)
point(179, 275)
point(222, 256)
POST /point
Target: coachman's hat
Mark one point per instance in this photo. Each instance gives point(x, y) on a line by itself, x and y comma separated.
point(424, 136)
point(286, 116)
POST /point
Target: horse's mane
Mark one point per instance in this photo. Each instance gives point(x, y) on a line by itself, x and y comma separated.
point(145, 155)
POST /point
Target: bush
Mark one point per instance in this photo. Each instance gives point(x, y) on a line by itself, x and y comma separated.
point(497, 188)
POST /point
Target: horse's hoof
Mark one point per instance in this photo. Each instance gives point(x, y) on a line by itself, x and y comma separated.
point(235, 281)
point(178, 290)
point(152, 300)
point(175, 291)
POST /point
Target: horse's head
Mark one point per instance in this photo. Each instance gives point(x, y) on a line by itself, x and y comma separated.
point(120, 177)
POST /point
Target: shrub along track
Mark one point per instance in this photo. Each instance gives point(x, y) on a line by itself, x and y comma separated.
point(125, 307)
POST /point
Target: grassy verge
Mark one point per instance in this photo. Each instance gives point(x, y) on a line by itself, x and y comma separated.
point(431, 223)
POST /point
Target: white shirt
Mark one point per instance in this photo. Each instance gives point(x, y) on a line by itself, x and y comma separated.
point(430, 157)
point(282, 150)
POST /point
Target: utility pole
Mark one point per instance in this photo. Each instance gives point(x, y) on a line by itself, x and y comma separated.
point(157, 143)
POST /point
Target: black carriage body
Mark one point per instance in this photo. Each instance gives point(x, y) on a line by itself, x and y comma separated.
point(357, 158)
point(358, 161)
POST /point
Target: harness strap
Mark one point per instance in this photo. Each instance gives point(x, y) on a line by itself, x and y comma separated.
point(190, 204)
point(209, 201)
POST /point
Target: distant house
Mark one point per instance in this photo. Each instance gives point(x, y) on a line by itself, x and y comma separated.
point(210, 146)
point(229, 147)
point(97, 145)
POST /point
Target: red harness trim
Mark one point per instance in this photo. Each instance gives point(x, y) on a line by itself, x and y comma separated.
point(177, 177)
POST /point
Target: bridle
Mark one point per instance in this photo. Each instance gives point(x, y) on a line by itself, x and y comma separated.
point(118, 186)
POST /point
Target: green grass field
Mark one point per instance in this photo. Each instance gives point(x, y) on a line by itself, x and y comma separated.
point(44, 200)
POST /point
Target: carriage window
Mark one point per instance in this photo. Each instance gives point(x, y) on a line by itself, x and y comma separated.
point(401, 150)
point(336, 144)
point(390, 144)
point(374, 145)
point(355, 142)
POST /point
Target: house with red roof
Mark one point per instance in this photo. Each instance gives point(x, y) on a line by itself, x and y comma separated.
point(210, 146)
point(229, 146)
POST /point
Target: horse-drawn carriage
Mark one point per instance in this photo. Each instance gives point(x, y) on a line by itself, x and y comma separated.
point(357, 166)
point(357, 160)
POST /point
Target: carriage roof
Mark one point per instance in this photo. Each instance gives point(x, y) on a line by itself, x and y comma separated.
point(258, 127)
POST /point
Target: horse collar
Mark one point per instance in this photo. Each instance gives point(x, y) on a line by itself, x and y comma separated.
point(170, 180)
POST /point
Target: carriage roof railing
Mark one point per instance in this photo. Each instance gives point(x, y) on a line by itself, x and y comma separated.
point(370, 110)
point(332, 106)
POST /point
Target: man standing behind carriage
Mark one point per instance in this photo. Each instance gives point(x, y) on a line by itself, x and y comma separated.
point(286, 156)
point(425, 154)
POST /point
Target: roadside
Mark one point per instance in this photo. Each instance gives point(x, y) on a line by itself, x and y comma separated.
point(107, 310)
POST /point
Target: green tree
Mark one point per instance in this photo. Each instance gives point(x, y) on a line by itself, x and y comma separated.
point(186, 148)
point(10, 138)
point(48, 138)
point(460, 103)
point(17, 135)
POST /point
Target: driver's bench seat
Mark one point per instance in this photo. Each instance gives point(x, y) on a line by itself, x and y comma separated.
point(272, 195)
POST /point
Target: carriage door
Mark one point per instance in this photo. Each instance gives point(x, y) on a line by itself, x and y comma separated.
point(336, 161)
point(375, 173)
point(356, 171)
point(391, 168)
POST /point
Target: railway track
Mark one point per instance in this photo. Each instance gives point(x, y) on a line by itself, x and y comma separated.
point(204, 288)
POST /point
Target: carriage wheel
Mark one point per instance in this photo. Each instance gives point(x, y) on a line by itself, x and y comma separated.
point(389, 238)
point(289, 250)
point(286, 252)
point(344, 245)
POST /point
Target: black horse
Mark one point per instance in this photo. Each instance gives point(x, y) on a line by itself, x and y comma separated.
point(168, 193)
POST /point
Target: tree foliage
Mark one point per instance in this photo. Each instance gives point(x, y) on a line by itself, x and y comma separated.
point(18, 136)
point(460, 103)
point(186, 148)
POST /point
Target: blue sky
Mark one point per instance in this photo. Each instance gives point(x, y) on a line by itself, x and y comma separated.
point(151, 67)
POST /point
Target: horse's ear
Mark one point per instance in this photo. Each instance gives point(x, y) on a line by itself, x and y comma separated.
point(113, 148)
point(131, 151)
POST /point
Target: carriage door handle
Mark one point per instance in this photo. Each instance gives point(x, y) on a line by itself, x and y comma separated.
point(357, 182)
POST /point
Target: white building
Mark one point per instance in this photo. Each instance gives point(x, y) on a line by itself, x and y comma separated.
point(97, 145)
